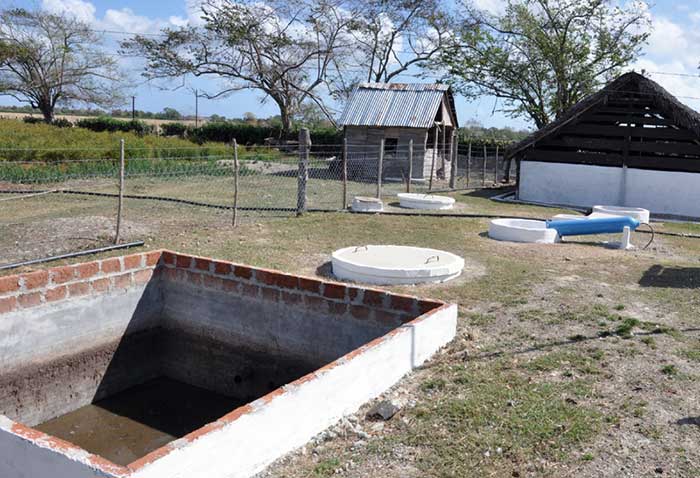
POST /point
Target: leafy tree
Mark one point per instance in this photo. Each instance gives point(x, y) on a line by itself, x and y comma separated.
point(541, 57)
point(48, 59)
point(281, 48)
point(170, 114)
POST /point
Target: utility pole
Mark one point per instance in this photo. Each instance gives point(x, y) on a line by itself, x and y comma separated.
point(133, 108)
point(196, 108)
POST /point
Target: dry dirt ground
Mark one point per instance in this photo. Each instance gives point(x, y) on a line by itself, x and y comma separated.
point(569, 358)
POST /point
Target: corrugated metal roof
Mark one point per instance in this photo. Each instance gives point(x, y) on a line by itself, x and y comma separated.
point(403, 105)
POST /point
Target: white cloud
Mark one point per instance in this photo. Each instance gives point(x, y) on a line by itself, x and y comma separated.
point(667, 37)
point(490, 6)
point(84, 11)
point(123, 19)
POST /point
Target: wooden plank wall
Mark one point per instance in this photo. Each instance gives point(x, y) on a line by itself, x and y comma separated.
point(628, 130)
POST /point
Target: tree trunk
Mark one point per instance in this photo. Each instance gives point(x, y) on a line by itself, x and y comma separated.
point(47, 111)
point(286, 119)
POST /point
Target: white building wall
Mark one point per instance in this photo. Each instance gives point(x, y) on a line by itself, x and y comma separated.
point(662, 192)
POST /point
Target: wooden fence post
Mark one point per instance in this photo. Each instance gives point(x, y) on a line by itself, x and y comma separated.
point(483, 170)
point(345, 173)
point(236, 171)
point(120, 204)
point(469, 162)
point(495, 168)
point(380, 168)
point(303, 173)
point(432, 164)
point(410, 165)
point(453, 160)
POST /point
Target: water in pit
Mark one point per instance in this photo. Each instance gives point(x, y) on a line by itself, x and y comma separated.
point(128, 425)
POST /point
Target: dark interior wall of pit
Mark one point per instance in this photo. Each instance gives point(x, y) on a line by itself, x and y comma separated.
point(62, 356)
point(245, 346)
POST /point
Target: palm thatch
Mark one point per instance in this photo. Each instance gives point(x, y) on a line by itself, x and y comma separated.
point(681, 115)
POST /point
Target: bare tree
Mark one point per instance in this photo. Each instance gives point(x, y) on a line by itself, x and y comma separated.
point(282, 48)
point(390, 38)
point(48, 59)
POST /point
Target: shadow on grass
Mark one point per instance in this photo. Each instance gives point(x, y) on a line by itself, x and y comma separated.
point(689, 421)
point(326, 270)
point(671, 277)
point(489, 192)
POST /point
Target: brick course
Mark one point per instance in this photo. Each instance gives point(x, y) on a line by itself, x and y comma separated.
point(136, 270)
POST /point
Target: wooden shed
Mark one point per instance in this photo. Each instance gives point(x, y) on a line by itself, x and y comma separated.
point(399, 113)
point(630, 144)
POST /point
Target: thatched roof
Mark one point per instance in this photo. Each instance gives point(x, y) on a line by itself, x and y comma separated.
point(681, 115)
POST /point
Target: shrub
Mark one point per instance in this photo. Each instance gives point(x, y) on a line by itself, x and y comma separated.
point(249, 134)
point(32, 120)
point(62, 123)
point(173, 129)
point(104, 123)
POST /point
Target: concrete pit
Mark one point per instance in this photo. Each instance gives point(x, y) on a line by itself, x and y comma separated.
point(168, 365)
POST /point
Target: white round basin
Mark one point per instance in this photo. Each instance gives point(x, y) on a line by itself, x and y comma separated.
point(367, 204)
point(522, 230)
point(387, 265)
point(425, 201)
point(638, 213)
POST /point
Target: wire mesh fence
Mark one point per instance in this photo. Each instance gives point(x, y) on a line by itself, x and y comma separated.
point(54, 201)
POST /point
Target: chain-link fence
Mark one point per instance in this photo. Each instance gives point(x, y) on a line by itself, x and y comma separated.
point(54, 201)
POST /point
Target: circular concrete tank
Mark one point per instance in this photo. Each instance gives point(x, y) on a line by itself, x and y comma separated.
point(367, 204)
point(387, 265)
point(638, 213)
point(522, 230)
point(425, 201)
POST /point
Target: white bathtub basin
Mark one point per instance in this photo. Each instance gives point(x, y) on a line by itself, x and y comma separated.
point(638, 213)
point(522, 230)
point(367, 204)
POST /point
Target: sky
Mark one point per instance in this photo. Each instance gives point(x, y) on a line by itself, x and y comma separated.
point(674, 47)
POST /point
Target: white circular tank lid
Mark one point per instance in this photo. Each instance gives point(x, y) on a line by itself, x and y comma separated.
point(386, 264)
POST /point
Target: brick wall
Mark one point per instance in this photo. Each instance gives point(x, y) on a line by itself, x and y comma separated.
point(32, 289)
point(323, 296)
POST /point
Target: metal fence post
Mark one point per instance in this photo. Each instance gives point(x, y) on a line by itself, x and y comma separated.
point(345, 173)
point(410, 165)
point(453, 160)
point(120, 204)
point(235, 183)
point(303, 173)
point(380, 168)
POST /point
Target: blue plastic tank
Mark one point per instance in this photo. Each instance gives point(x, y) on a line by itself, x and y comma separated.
point(603, 225)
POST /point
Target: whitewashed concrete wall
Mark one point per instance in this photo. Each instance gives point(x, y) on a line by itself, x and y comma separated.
point(662, 192)
point(40, 456)
point(276, 425)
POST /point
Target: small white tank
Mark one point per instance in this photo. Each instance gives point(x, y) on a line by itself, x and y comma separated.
point(425, 201)
point(638, 213)
point(388, 265)
point(522, 230)
point(367, 204)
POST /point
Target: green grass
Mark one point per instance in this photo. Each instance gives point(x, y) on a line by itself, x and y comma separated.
point(583, 363)
point(481, 410)
point(326, 467)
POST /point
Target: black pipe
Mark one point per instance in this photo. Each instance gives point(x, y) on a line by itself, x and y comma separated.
point(72, 254)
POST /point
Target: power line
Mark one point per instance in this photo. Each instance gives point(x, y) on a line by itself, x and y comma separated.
point(668, 73)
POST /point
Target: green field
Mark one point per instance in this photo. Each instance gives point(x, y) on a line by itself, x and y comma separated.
point(570, 359)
